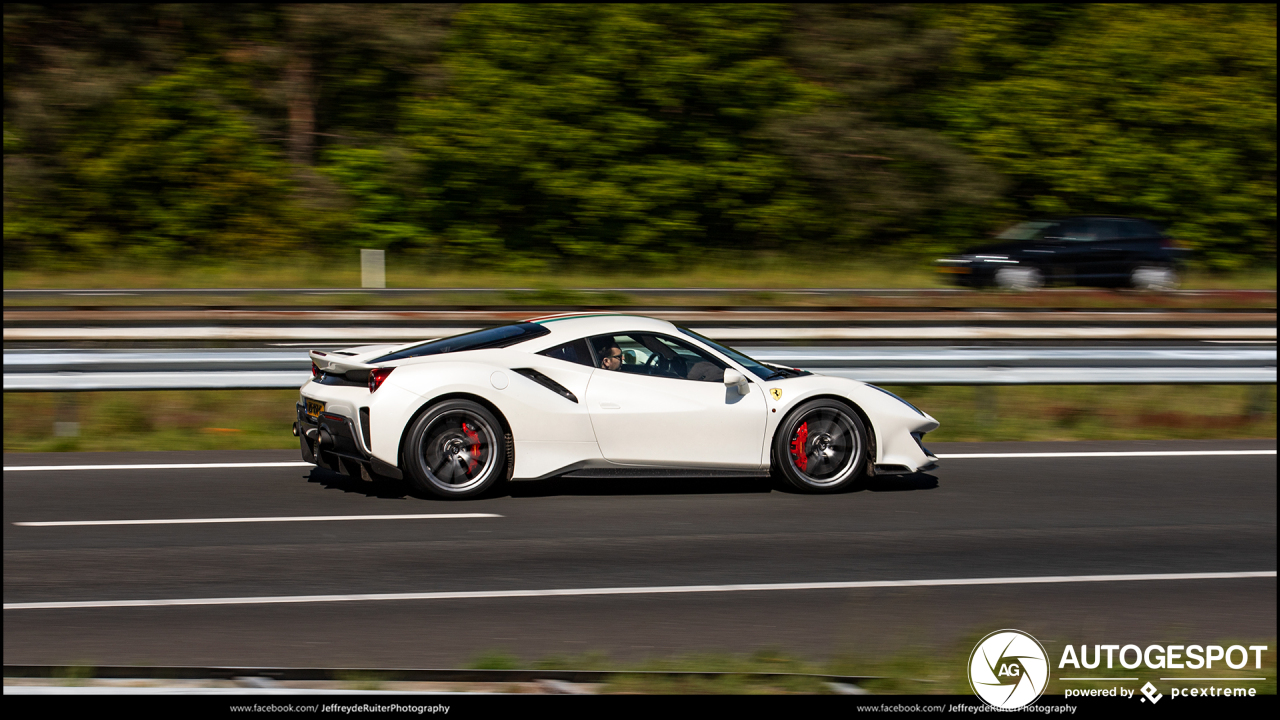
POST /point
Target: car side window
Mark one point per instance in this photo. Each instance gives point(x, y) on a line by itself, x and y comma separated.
point(1144, 230)
point(1113, 229)
point(634, 355)
point(658, 356)
point(1077, 231)
point(574, 352)
point(690, 363)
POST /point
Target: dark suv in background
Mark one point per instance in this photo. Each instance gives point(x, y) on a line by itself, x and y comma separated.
point(1091, 250)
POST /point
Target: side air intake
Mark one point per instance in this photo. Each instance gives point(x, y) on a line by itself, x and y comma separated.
point(547, 383)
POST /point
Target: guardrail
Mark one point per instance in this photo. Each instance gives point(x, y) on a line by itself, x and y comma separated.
point(35, 371)
point(193, 326)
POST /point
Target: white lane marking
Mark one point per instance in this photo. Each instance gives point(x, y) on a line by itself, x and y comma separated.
point(287, 518)
point(169, 466)
point(660, 590)
point(1145, 453)
point(944, 456)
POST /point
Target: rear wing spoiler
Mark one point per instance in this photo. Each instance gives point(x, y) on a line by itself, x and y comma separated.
point(335, 364)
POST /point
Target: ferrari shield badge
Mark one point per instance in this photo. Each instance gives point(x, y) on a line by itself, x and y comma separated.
point(776, 393)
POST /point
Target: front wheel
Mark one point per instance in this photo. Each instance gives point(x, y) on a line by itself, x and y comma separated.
point(455, 450)
point(1019, 278)
point(821, 447)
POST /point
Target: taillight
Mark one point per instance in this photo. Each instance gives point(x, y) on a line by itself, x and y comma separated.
point(315, 371)
point(376, 376)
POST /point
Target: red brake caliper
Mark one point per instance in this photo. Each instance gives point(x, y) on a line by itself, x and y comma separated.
point(474, 437)
point(797, 447)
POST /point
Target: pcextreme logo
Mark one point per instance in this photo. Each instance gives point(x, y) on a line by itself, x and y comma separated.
point(1008, 669)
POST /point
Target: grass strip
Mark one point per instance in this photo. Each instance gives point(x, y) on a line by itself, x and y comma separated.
point(913, 671)
point(554, 286)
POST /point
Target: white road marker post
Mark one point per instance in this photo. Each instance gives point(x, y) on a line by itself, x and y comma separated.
point(373, 268)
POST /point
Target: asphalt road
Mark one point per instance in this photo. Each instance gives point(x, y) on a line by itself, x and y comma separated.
point(971, 518)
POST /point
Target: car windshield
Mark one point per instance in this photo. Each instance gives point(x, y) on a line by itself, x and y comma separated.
point(1025, 230)
point(498, 337)
point(758, 369)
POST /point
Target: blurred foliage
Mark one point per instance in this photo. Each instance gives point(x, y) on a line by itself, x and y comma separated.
point(609, 137)
point(881, 173)
point(1159, 111)
point(598, 133)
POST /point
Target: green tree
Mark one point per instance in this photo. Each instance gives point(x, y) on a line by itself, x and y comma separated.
point(169, 130)
point(885, 176)
point(172, 171)
point(597, 133)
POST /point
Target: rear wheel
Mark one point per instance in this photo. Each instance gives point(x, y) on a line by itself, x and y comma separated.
point(821, 447)
point(1154, 277)
point(455, 450)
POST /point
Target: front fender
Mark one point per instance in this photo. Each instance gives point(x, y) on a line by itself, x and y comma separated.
point(891, 420)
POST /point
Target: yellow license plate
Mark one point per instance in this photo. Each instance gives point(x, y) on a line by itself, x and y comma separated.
point(314, 408)
point(962, 270)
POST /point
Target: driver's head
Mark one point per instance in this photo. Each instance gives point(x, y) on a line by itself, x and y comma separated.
point(611, 358)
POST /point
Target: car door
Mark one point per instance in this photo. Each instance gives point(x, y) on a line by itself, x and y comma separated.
point(1114, 248)
point(1074, 253)
point(668, 405)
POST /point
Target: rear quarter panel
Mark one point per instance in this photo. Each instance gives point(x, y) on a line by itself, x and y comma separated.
point(549, 430)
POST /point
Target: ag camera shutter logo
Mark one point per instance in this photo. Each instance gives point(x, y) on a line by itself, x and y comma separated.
point(1008, 669)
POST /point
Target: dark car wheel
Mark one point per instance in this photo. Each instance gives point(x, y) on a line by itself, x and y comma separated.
point(1019, 278)
point(1154, 277)
point(455, 450)
point(821, 447)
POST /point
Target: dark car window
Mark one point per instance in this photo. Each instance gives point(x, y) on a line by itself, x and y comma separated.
point(1078, 230)
point(574, 352)
point(1145, 230)
point(1109, 229)
point(498, 337)
point(1028, 230)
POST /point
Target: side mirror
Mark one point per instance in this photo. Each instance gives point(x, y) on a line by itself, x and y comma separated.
point(733, 377)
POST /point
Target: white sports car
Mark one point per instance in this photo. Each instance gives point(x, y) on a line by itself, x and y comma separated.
point(595, 394)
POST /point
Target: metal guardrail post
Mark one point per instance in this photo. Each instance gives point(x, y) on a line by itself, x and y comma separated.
point(986, 401)
point(66, 421)
point(1259, 403)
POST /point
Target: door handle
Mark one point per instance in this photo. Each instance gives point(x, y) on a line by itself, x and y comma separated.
point(610, 406)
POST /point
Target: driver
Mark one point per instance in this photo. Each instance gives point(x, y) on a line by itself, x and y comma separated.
point(611, 358)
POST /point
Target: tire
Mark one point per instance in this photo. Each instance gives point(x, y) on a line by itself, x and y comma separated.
point(1154, 277)
point(1019, 278)
point(456, 450)
point(821, 447)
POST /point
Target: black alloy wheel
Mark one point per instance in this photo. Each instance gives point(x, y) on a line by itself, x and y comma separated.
point(821, 447)
point(456, 449)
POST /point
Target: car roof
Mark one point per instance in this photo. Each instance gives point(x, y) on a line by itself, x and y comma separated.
point(571, 326)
